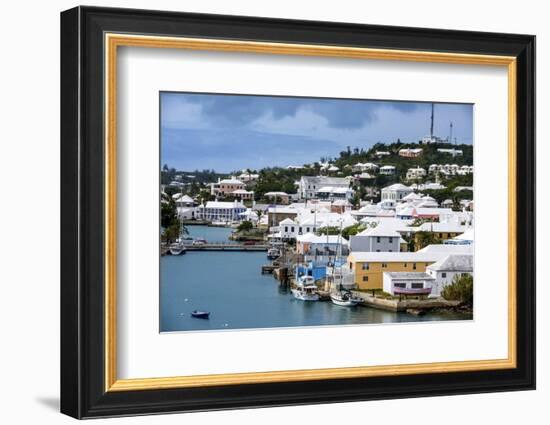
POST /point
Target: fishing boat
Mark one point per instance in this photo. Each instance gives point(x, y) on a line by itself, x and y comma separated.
point(344, 298)
point(177, 249)
point(273, 253)
point(200, 314)
point(305, 289)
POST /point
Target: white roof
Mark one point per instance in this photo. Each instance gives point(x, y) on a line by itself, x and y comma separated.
point(241, 192)
point(380, 230)
point(282, 210)
point(287, 221)
point(433, 211)
point(447, 249)
point(231, 181)
point(184, 198)
point(442, 227)
point(412, 197)
point(322, 239)
point(275, 194)
point(457, 262)
point(431, 253)
point(397, 186)
point(468, 235)
point(387, 167)
point(223, 204)
point(333, 168)
point(334, 189)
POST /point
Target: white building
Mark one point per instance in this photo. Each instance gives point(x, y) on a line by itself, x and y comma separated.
point(367, 166)
point(412, 282)
point(220, 211)
point(453, 152)
point(309, 185)
point(444, 271)
point(378, 239)
point(333, 193)
point(387, 170)
point(415, 173)
point(395, 192)
point(380, 154)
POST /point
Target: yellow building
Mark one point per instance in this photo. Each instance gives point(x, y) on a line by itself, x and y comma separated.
point(368, 267)
point(442, 231)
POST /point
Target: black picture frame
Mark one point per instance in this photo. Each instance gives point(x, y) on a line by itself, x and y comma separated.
point(82, 218)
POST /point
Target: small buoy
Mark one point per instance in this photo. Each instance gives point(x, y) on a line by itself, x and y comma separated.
point(226, 325)
point(187, 299)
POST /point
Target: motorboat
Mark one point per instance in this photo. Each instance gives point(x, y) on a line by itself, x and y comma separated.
point(305, 289)
point(200, 314)
point(345, 299)
point(273, 253)
point(177, 249)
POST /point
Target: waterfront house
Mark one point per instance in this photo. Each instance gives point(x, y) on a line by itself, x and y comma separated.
point(220, 211)
point(410, 153)
point(410, 281)
point(322, 248)
point(445, 270)
point(387, 170)
point(368, 267)
point(395, 192)
point(442, 231)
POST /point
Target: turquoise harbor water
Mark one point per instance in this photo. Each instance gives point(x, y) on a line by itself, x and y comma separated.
point(231, 287)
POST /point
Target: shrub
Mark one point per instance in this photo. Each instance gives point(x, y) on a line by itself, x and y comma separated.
point(462, 289)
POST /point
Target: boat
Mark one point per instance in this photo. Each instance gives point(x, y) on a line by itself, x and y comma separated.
point(305, 289)
point(177, 249)
point(273, 253)
point(345, 299)
point(200, 314)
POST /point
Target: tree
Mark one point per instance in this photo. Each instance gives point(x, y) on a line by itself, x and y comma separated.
point(461, 289)
point(424, 239)
point(169, 219)
point(245, 226)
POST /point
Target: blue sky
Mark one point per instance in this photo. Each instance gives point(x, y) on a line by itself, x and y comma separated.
point(233, 132)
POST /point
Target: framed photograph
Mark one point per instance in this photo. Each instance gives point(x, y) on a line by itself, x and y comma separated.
point(261, 212)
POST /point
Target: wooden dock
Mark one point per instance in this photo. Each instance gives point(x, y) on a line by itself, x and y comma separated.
point(236, 247)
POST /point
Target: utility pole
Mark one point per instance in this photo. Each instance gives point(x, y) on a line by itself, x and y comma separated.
point(451, 132)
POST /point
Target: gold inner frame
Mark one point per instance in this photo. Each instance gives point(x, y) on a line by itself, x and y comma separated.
point(113, 41)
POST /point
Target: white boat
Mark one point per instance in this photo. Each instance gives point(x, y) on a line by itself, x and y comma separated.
point(177, 249)
point(344, 298)
point(305, 289)
point(273, 253)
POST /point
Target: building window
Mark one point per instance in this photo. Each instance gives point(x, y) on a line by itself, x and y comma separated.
point(378, 239)
point(404, 264)
point(292, 229)
point(286, 229)
point(440, 235)
point(400, 285)
point(307, 229)
point(365, 266)
point(390, 241)
point(365, 278)
point(391, 250)
point(414, 266)
point(417, 285)
point(384, 265)
point(443, 274)
point(351, 266)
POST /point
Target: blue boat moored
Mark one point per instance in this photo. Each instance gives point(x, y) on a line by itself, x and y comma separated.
point(200, 314)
